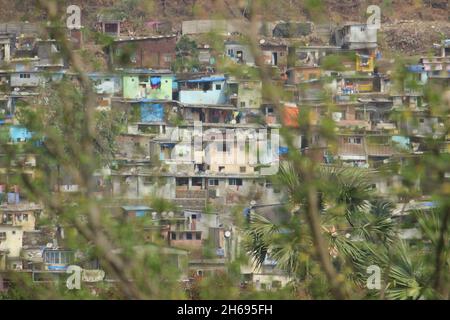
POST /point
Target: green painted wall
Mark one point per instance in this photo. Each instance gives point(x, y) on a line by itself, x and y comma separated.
point(163, 93)
point(133, 90)
point(131, 87)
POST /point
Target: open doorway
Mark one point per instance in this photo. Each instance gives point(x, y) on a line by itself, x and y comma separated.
point(274, 58)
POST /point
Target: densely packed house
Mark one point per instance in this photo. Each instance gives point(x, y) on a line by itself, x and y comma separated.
point(192, 133)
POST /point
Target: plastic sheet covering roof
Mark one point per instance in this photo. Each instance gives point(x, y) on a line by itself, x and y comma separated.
point(207, 79)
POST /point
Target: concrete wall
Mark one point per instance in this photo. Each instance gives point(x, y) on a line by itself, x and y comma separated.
point(107, 85)
point(13, 242)
point(361, 33)
point(152, 53)
point(136, 147)
point(33, 81)
point(210, 97)
point(250, 94)
point(218, 26)
point(231, 51)
point(24, 219)
point(132, 187)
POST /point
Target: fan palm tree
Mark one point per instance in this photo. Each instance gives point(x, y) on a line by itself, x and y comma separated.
point(351, 219)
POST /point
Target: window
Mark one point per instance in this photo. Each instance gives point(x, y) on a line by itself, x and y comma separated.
point(13, 232)
point(167, 58)
point(198, 182)
point(198, 236)
point(206, 86)
point(422, 120)
point(235, 182)
point(189, 236)
point(111, 27)
point(213, 182)
point(2, 236)
point(353, 140)
point(25, 76)
point(242, 169)
point(242, 104)
point(218, 87)
point(65, 257)
point(173, 236)
point(182, 181)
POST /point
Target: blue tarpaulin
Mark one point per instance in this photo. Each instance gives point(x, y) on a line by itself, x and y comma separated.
point(283, 150)
point(417, 68)
point(19, 134)
point(154, 81)
point(151, 112)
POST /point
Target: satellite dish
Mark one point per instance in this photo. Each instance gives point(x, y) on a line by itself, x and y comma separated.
point(171, 214)
point(164, 214)
point(227, 234)
point(154, 214)
point(262, 41)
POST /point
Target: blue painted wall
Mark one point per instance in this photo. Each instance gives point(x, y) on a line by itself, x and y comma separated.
point(210, 97)
point(151, 112)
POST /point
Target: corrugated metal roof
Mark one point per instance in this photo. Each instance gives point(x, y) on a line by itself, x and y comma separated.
point(136, 208)
point(207, 79)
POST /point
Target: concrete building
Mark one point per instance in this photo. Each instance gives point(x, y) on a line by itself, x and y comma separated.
point(11, 238)
point(356, 36)
point(153, 52)
point(147, 85)
point(239, 53)
point(205, 90)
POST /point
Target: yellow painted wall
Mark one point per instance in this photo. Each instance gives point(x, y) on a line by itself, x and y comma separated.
point(365, 68)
